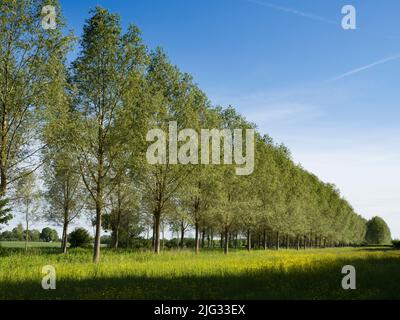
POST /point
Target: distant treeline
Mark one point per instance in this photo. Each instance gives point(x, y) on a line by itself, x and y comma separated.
point(80, 128)
point(20, 234)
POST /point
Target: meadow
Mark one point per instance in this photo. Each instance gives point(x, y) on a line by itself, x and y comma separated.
point(259, 274)
point(31, 244)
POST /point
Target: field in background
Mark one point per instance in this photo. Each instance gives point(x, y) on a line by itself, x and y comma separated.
point(33, 244)
point(285, 274)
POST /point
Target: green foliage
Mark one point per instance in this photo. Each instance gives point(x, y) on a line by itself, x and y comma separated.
point(5, 214)
point(124, 220)
point(18, 233)
point(396, 244)
point(79, 238)
point(27, 54)
point(175, 243)
point(33, 235)
point(378, 232)
point(49, 235)
point(105, 81)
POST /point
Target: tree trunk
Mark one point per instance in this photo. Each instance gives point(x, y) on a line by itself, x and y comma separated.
point(27, 229)
point(153, 239)
point(163, 238)
point(277, 240)
point(298, 243)
point(226, 236)
point(196, 237)
point(248, 240)
point(116, 236)
point(182, 234)
point(203, 234)
point(99, 192)
point(157, 220)
point(265, 245)
point(96, 254)
point(64, 240)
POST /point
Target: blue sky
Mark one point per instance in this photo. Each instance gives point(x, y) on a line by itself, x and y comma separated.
point(331, 95)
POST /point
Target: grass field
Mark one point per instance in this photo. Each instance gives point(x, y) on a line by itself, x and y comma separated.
point(287, 274)
point(21, 244)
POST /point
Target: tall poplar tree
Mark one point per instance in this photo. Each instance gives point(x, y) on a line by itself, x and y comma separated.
point(103, 74)
point(26, 53)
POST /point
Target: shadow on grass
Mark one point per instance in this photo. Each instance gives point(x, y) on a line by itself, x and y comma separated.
point(6, 251)
point(376, 279)
point(377, 249)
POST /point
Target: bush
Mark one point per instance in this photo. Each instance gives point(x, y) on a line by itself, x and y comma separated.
point(175, 243)
point(396, 244)
point(79, 238)
point(48, 235)
point(378, 232)
point(6, 236)
point(138, 243)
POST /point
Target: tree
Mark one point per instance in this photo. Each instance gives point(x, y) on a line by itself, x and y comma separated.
point(198, 194)
point(28, 199)
point(63, 187)
point(6, 236)
point(64, 194)
point(32, 235)
point(26, 52)
point(179, 220)
point(123, 204)
point(49, 235)
point(79, 238)
point(378, 232)
point(174, 98)
point(103, 75)
point(18, 233)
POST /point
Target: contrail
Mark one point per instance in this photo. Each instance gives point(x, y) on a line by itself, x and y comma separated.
point(368, 66)
point(293, 11)
point(322, 19)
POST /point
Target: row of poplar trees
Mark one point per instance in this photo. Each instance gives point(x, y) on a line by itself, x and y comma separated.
point(80, 127)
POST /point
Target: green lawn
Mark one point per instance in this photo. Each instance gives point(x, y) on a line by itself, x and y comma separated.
point(287, 274)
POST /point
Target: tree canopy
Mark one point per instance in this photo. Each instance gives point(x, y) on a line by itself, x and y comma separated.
point(378, 232)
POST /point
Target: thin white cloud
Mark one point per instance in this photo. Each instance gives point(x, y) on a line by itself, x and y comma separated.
point(366, 67)
point(293, 11)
